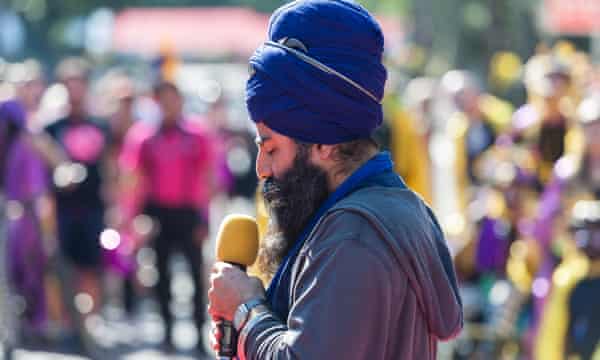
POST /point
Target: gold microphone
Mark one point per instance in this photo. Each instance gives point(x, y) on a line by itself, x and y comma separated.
point(237, 244)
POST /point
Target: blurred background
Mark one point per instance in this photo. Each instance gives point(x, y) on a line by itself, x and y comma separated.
point(108, 109)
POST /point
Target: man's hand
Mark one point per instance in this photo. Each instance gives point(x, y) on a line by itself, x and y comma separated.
point(229, 288)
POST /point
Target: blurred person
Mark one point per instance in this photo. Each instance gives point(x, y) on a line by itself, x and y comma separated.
point(8, 337)
point(174, 165)
point(411, 127)
point(120, 260)
point(504, 202)
point(30, 90)
point(586, 172)
point(236, 175)
point(23, 180)
point(583, 328)
point(544, 122)
point(353, 255)
point(467, 121)
point(121, 97)
point(479, 116)
point(123, 94)
point(78, 186)
point(569, 328)
point(419, 97)
point(574, 177)
point(30, 84)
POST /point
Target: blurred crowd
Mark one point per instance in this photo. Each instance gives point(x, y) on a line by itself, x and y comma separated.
point(516, 186)
point(104, 180)
point(104, 176)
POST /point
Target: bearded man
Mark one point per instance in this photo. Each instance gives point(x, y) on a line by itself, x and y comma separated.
point(360, 268)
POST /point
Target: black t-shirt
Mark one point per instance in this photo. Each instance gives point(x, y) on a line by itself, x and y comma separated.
point(85, 142)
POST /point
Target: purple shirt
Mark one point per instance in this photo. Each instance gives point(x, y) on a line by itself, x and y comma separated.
point(25, 180)
point(25, 172)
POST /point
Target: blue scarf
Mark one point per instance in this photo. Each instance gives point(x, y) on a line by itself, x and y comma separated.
point(375, 172)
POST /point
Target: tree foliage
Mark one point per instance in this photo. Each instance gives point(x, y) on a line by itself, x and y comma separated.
point(454, 33)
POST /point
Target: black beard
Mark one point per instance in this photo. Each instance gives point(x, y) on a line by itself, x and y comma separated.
point(290, 201)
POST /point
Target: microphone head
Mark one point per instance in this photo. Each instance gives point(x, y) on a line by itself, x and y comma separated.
point(237, 240)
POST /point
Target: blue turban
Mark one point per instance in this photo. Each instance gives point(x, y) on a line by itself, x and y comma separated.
point(328, 87)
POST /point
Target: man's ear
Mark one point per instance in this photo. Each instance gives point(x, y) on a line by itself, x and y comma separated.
point(323, 153)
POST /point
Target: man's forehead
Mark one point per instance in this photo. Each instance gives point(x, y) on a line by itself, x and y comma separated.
point(261, 128)
point(265, 133)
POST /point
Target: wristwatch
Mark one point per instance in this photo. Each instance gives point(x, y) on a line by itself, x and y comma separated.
point(242, 314)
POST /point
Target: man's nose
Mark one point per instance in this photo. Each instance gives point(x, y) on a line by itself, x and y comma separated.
point(263, 166)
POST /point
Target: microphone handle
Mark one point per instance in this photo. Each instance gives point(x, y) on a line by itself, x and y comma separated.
point(229, 338)
point(228, 341)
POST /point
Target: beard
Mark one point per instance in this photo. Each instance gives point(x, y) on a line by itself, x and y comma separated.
point(290, 201)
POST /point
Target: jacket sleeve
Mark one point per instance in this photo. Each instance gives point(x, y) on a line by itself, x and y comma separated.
point(342, 301)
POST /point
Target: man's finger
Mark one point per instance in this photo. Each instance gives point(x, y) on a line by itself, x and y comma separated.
point(220, 265)
point(214, 269)
point(217, 333)
point(214, 343)
point(213, 277)
point(215, 313)
point(257, 282)
point(210, 295)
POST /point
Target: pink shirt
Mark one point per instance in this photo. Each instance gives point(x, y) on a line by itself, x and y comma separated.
point(177, 165)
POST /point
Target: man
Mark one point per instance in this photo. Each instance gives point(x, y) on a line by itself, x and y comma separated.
point(175, 166)
point(23, 183)
point(31, 86)
point(575, 183)
point(119, 260)
point(361, 267)
point(479, 133)
point(78, 190)
point(569, 325)
point(543, 123)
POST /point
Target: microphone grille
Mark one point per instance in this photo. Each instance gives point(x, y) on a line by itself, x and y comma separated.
point(237, 240)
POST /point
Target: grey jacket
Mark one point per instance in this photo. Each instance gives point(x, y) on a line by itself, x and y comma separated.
point(374, 281)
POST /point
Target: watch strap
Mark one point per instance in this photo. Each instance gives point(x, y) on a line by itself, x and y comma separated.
point(242, 313)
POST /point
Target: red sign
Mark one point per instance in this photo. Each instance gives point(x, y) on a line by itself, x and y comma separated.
point(204, 31)
point(577, 17)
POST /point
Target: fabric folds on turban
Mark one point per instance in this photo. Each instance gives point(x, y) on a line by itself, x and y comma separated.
point(300, 100)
